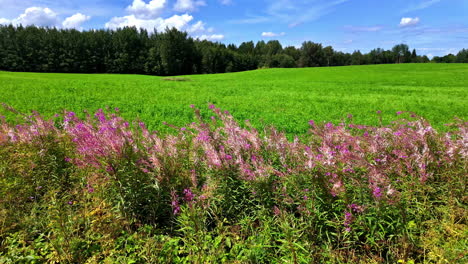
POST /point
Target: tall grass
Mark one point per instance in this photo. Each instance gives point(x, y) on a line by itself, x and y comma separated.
point(101, 189)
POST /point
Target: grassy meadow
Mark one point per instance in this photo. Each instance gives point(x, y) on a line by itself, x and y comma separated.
point(215, 188)
point(286, 98)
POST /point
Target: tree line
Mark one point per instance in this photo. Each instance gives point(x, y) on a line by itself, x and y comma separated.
point(172, 52)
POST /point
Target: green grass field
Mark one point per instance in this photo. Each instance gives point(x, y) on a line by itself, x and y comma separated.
point(287, 98)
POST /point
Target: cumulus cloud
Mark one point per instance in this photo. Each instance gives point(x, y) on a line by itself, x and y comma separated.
point(148, 16)
point(199, 27)
point(5, 21)
point(75, 21)
point(181, 22)
point(188, 5)
point(34, 16)
point(142, 10)
point(272, 34)
point(213, 37)
point(409, 21)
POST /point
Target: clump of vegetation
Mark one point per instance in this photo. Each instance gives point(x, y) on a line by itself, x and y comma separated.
point(100, 189)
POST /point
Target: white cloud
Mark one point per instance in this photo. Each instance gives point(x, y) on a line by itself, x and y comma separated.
point(142, 10)
point(4, 21)
point(181, 22)
point(295, 13)
point(147, 16)
point(272, 34)
point(75, 21)
point(34, 16)
point(188, 5)
point(197, 27)
point(213, 37)
point(409, 21)
point(421, 5)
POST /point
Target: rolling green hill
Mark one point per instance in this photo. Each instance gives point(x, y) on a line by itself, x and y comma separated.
point(287, 98)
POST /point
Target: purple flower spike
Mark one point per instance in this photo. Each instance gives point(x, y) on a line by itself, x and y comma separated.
point(377, 192)
point(188, 195)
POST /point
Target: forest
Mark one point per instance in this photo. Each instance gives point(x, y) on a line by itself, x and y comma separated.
point(173, 52)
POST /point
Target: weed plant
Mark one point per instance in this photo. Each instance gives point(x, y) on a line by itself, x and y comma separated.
point(99, 189)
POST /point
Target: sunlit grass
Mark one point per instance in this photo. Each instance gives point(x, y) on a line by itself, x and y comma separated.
point(286, 98)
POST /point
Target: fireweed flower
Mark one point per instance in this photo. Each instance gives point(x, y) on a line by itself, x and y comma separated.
point(110, 169)
point(204, 136)
point(356, 208)
point(188, 195)
point(348, 220)
point(89, 188)
point(100, 115)
point(276, 210)
point(400, 149)
point(175, 203)
point(377, 192)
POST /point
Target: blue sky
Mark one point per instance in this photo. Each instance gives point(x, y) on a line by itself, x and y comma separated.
point(433, 27)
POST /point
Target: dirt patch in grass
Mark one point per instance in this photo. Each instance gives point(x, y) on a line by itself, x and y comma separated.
point(177, 79)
